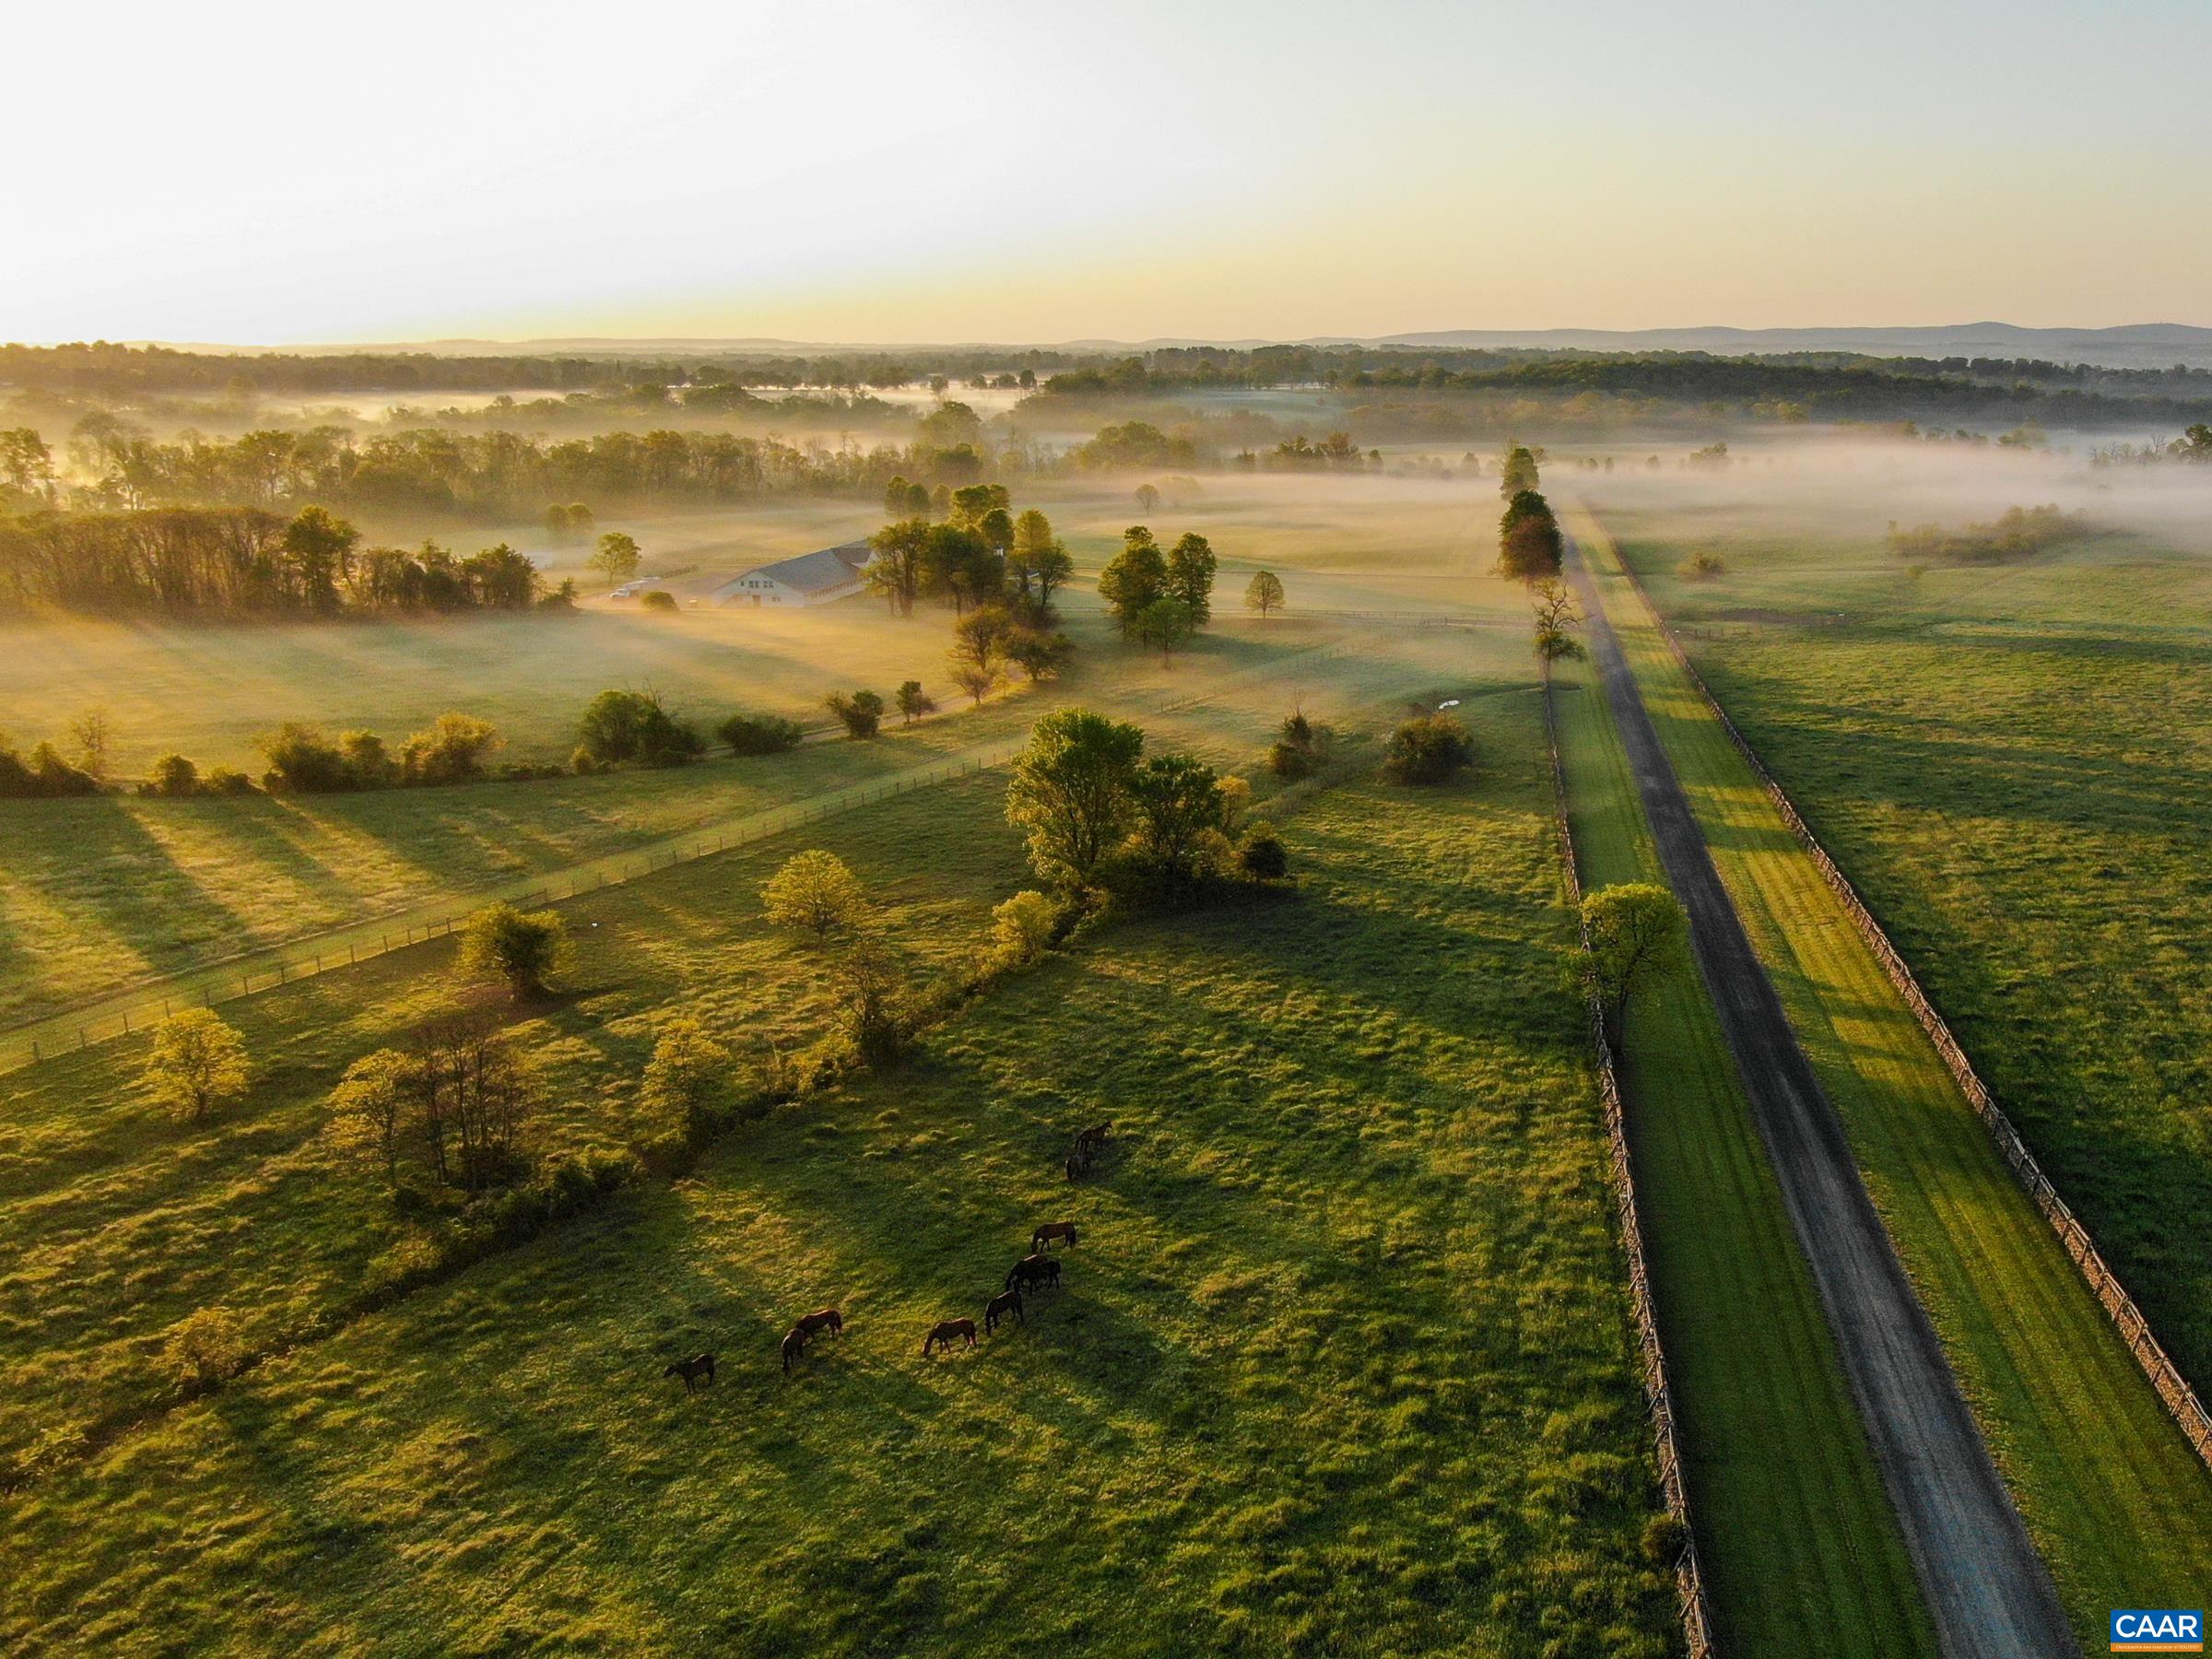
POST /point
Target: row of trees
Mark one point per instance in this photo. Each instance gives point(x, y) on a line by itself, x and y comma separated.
point(188, 561)
point(979, 552)
point(1530, 548)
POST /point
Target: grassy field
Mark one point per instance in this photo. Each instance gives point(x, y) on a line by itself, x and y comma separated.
point(2115, 1499)
point(101, 892)
point(1356, 1209)
point(1799, 1547)
point(2012, 765)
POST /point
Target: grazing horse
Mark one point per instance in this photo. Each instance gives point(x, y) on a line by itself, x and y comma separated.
point(794, 1345)
point(998, 1307)
point(1052, 1229)
point(1034, 1270)
point(1077, 1165)
point(822, 1319)
point(692, 1369)
point(948, 1331)
point(1096, 1135)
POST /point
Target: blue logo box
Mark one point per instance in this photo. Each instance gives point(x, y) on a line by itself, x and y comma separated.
point(2158, 1630)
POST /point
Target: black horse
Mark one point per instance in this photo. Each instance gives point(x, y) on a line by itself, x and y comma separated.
point(692, 1369)
point(1034, 1270)
point(998, 1307)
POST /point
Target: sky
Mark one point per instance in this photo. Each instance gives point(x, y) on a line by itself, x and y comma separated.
point(928, 171)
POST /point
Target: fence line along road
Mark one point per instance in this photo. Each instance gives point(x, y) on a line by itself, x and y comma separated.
point(133, 1008)
point(2172, 1388)
point(1690, 1577)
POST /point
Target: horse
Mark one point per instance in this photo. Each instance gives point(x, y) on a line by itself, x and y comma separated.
point(946, 1331)
point(1079, 1164)
point(1034, 1270)
point(1049, 1231)
point(794, 1346)
point(822, 1319)
point(1096, 1135)
point(998, 1307)
point(692, 1369)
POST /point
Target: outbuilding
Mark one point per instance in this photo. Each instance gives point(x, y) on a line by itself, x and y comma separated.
point(810, 579)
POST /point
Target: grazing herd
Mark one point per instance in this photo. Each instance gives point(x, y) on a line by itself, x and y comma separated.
point(1039, 1270)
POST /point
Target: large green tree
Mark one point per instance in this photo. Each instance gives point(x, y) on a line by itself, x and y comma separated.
point(1638, 935)
point(1070, 792)
point(1191, 575)
point(1135, 578)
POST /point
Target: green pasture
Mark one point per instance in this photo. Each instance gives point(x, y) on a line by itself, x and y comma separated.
point(1356, 1208)
point(2113, 1496)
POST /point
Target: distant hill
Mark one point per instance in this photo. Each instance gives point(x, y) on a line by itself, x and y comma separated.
point(2134, 346)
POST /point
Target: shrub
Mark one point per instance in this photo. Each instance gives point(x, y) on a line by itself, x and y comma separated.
point(1702, 567)
point(814, 891)
point(1263, 856)
point(198, 1062)
point(657, 599)
point(759, 734)
point(636, 726)
point(224, 780)
point(1428, 749)
point(206, 1347)
point(582, 762)
point(303, 761)
point(862, 712)
point(1301, 749)
point(1022, 929)
point(872, 995)
point(369, 764)
point(524, 950)
point(451, 751)
point(1665, 1538)
point(174, 776)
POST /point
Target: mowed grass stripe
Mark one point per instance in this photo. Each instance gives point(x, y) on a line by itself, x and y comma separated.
point(2113, 1496)
point(1800, 1549)
point(1343, 1361)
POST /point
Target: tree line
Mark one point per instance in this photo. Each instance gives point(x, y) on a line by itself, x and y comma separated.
point(187, 561)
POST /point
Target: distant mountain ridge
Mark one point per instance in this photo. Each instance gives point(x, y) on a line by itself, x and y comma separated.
point(2128, 346)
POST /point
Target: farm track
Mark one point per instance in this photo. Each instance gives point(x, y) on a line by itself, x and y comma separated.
point(1988, 1590)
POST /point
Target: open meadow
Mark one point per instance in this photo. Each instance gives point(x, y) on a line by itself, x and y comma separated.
point(1354, 1204)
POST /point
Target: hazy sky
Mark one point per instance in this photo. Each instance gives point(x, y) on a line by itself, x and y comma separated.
point(920, 170)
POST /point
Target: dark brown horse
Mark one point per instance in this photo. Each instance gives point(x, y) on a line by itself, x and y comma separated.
point(1034, 1270)
point(794, 1346)
point(998, 1307)
point(1052, 1229)
point(948, 1331)
point(1095, 1137)
point(822, 1319)
point(1077, 1165)
point(692, 1369)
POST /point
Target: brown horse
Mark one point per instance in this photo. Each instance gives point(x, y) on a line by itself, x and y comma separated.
point(1094, 1136)
point(692, 1369)
point(1034, 1270)
point(948, 1331)
point(794, 1346)
point(822, 1319)
point(998, 1307)
point(1052, 1229)
point(1077, 1165)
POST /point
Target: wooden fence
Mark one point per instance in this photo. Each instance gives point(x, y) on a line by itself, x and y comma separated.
point(2134, 1328)
point(1689, 1578)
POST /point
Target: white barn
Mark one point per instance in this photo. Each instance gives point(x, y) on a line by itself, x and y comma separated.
point(810, 579)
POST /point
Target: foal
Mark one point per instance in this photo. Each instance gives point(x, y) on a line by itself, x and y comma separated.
point(794, 1345)
point(948, 1331)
